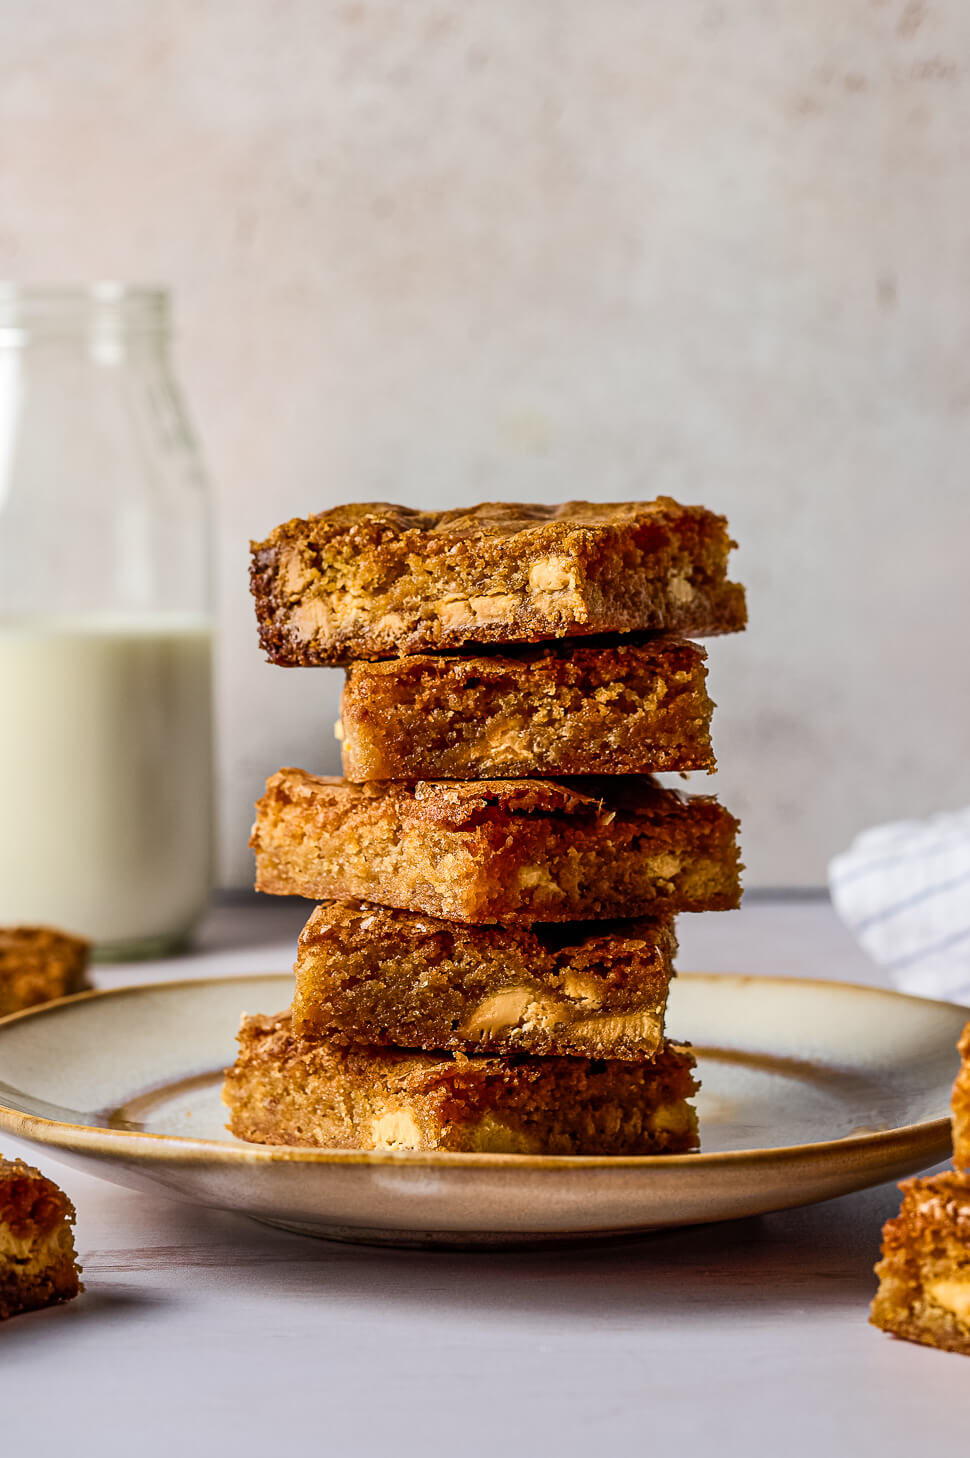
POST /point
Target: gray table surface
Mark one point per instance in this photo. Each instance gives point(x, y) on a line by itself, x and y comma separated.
point(205, 1332)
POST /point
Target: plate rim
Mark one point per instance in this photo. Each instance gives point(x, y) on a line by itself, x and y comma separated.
point(181, 1150)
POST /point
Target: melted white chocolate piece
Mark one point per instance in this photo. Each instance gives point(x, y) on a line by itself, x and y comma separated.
point(515, 1007)
point(644, 1027)
point(552, 574)
point(396, 1130)
point(953, 1296)
point(525, 1009)
point(679, 588)
point(533, 877)
point(493, 607)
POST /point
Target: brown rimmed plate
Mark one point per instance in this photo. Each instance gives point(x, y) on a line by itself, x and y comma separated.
point(809, 1090)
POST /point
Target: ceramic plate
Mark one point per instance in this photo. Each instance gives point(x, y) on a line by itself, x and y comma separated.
point(810, 1089)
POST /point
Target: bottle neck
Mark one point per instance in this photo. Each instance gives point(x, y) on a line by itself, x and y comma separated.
point(99, 317)
point(102, 509)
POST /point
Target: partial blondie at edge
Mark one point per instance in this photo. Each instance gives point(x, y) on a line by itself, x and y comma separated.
point(961, 1106)
point(284, 1089)
point(38, 1263)
point(567, 709)
point(924, 1273)
point(375, 580)
point(370, 974)
point(39, 964)
point(498, 851)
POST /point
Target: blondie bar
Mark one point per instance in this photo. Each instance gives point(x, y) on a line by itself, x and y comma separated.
point(561, 710)
point(376, 580)
point(961, 1106)
point(506, 851)
point(38, 1264)
point(284, 1089)
point(368, 974)
point(924, 1274)
point(38, 964)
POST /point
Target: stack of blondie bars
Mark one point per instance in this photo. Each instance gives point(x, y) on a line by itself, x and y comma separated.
point(498, 872)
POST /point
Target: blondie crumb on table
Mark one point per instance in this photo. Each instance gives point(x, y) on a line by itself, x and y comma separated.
point(924, 1274)
point(38, 1264)
point(961, 1106)
point(376, 580)
point(39, 964)
point(616, 708)
point(284, 1089)
point(503, 851)
point(369, 974)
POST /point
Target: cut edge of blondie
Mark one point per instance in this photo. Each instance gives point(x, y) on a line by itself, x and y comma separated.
point(288, 1090)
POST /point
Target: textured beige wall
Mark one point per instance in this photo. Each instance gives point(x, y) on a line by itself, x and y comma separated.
point(443, 252)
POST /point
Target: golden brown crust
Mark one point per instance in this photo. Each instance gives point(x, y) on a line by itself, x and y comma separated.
point(370, 974)
point(961, 1106)
point(38, 1265)
point(375, 580)
point(284, 1089)
point(924, 1274)
point(627, 708)
point(500, 851)
point(39, 964)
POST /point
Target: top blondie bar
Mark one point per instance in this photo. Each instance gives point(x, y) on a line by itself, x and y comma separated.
point(373, 581)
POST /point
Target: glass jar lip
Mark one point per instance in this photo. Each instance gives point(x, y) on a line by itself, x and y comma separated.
point(105, 305)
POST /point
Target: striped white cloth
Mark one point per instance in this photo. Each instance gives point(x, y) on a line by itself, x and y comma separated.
point(903, 890)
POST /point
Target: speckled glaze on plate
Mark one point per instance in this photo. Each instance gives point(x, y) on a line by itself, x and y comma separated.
point(810, 1089)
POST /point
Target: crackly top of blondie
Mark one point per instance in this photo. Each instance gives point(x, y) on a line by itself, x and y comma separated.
point(466, 802)
point(334, 921)
point(373, 522)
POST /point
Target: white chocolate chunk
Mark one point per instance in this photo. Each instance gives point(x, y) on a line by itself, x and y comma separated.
point(599, 1033)
point(679, 588)
point(505, 739)
point(310, 617)
point(664, 866)
point(533, 877)
point(456, 613)
point(582, 988)
point(396, 1130)
point(294, 577)
point(494, 607)
point(552, 574)
point(514, 1007)
point(953, 1296)
point(524, 1009)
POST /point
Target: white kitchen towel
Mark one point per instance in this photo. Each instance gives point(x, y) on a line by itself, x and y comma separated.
point(904, 891)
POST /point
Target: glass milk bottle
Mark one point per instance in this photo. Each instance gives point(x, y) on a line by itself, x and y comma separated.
point(105, 630)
